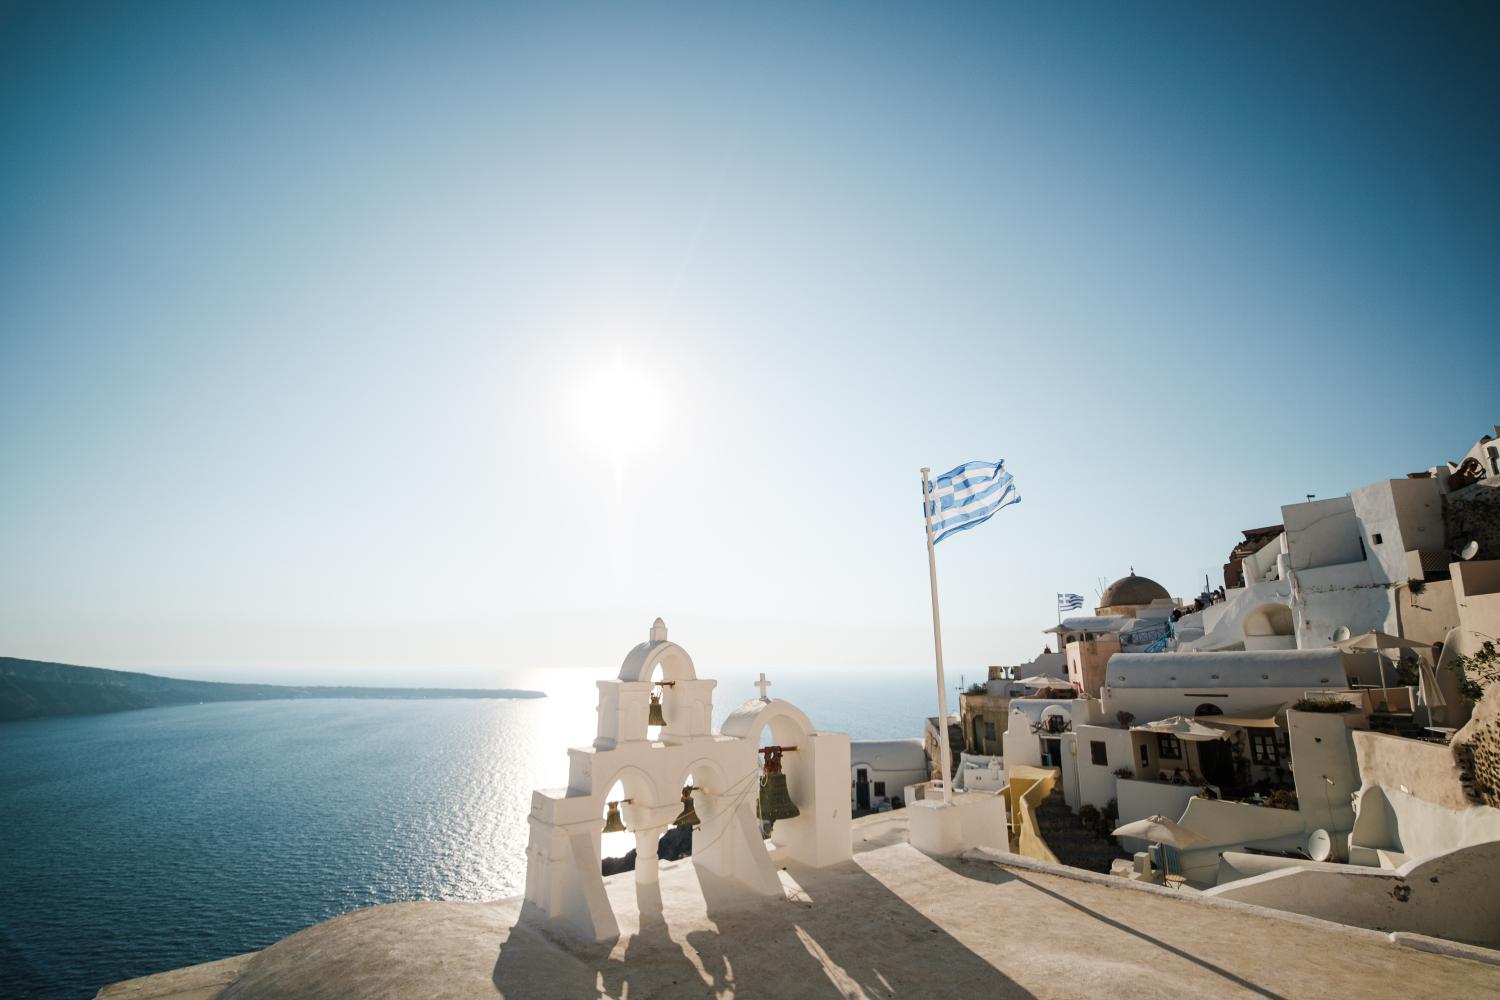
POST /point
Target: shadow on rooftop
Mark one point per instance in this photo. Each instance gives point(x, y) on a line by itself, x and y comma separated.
point(998, 875)
point(843, 934)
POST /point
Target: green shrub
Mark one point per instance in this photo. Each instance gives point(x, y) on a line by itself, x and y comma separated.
point(1331, 705)
point(1477, 672)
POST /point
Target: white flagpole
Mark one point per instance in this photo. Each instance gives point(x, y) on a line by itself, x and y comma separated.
point(945, 755)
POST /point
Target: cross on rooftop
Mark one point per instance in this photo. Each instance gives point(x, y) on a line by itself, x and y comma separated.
point(763, 684)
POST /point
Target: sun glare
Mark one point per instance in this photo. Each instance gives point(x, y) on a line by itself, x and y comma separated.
point(620, 410)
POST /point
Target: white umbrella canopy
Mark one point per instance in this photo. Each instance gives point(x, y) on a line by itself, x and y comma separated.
point(1183, 728)
point(1160, 830)
point(1376, 640)
point(1045, 681)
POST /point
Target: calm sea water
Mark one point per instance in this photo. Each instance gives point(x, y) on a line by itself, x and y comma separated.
point(142, 841)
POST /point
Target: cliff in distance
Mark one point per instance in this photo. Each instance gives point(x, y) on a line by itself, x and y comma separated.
point(31, 689)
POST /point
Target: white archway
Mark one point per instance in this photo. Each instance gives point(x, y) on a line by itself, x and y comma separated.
point(817, 777)
point(641, 662)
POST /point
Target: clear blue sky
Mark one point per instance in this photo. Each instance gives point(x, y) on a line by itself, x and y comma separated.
point(308, 318)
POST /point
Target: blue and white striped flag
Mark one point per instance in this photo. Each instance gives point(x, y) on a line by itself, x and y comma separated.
point(967, 496)
point(1069, 602)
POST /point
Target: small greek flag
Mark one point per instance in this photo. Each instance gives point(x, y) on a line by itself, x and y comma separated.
point(967, 496)
point(1069, 602)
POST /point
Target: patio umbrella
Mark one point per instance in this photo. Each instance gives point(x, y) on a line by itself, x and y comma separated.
point(1183, 728)
point(1045, 681)
point(1375, 641)
point(1159, 830)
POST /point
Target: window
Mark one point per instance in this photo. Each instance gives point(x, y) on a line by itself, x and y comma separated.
point(989, 730)
point(1263, 749)
point(880, 789)
point(1375, 538)
point(1145, 755)
point(1167, 747)
point(1098, 752)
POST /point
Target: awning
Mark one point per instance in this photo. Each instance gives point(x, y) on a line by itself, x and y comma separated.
point(1260, 718)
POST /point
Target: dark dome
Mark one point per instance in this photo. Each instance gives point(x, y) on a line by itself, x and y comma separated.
point(1132, 589)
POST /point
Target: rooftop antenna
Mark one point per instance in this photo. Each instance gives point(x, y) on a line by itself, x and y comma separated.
point(1310, 497)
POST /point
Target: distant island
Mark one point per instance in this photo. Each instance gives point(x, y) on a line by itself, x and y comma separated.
point(33, 689)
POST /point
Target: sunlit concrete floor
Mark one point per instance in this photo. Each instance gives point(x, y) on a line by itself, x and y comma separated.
point(893, 922)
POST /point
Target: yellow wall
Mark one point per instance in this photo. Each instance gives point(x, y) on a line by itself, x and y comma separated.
point(1025, 788)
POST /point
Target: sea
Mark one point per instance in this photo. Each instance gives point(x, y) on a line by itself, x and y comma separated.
point(142, 841)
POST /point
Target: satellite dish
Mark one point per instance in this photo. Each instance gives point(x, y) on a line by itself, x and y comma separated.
point(1469, 551)
point(1341, 633)
point(1319, 845)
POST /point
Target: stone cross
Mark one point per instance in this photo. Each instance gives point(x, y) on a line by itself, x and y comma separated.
point(763, 684)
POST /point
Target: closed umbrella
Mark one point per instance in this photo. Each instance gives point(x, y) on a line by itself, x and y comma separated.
point(1432, 695)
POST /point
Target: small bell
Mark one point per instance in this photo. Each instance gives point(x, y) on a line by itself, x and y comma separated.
point(689, 816)
point(655, 718)
point(775, 801)
point(612, 821)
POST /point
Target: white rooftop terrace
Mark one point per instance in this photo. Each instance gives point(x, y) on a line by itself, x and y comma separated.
point(891, 922)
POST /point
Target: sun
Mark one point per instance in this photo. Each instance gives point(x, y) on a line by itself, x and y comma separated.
point(620, 410)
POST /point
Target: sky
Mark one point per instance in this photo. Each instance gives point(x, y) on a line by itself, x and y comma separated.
point(362, 343)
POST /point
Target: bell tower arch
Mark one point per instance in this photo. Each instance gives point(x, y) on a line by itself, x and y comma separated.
point(563, 865)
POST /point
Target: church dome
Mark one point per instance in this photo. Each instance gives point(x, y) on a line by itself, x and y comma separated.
point(1132, 589)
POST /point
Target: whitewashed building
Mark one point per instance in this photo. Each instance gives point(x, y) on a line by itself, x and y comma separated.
point(881, 769)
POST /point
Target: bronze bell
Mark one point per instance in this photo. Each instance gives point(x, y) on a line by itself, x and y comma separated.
point(775, 801)
point(655, 718)
point(612, 821)
point(689, 816)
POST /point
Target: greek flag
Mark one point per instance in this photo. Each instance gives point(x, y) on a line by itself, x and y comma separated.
point(1069, 602)
point(967, 496)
